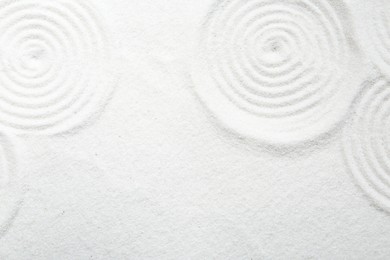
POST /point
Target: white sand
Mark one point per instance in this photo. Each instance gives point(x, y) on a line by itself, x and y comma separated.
point(207, 129)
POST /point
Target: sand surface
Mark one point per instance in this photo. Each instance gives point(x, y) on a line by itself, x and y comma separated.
point(204, 129)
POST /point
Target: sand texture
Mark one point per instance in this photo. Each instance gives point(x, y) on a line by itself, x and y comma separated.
point(203, 129)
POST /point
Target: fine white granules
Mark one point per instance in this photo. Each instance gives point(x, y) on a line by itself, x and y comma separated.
point(238, 129)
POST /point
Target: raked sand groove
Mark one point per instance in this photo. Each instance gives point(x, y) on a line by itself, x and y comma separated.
point(10, 183)
point(367, 142)
point(275, 70)
point(55, 65)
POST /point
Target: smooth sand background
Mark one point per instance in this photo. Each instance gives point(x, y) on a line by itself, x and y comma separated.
point(155, 177)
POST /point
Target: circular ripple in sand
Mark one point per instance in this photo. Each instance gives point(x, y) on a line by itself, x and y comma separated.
point(10, 186)
point(54, 62)
point(375, 36)
point(367, 142)
point(273, 69)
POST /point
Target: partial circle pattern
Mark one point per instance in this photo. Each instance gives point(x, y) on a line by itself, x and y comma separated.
point(275, 70)
point(10, 183)
point(55, 65)
point(367, 142)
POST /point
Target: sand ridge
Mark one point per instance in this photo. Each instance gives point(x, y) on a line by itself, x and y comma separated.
point(11, 188)
point(366, 142)
point(55, 65)
point(276, 71)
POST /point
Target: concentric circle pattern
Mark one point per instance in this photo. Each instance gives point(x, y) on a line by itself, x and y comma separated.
point(367, 143)
point(275, 70)
point(10, 185)
point(54, 65)
point(376, 36)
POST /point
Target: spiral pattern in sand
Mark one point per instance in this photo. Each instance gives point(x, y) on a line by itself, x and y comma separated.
point(10, 183)
point(367, 142)
point(54, 65)
point(273, 69)
point(376, 36)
